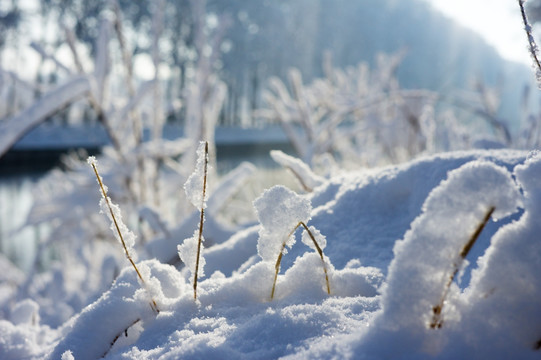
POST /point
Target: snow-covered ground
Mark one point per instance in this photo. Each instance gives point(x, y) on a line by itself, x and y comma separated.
point(404, 283)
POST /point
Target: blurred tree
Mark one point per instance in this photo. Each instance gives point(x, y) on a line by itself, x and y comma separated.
point(9, 21)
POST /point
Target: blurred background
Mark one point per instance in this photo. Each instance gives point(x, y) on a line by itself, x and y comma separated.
point(338, 84)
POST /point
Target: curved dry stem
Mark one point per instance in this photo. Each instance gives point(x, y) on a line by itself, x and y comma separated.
point(320, 252)
point(279, 260)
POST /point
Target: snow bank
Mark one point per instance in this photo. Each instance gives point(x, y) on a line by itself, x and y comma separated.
point(398, 240)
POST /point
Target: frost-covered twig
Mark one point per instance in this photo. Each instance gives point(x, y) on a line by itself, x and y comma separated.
point(350, 111)
point(281, 212)
point(437, 320)
point(201, 220)
point(195, 188)
point(532, 45)
point(118, 224)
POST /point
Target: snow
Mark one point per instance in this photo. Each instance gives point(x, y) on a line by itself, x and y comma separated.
point(14, 128)
point(194, 184)
point(394, 236)
point(187, 251)
point(279, 211)
point(305, 176)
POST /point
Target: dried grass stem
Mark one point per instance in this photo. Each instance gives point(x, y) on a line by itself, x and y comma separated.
point(153, 304)
point(201, 220)
point(280, 255)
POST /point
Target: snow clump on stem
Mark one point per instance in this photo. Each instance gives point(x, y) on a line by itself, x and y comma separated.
point(195, 187)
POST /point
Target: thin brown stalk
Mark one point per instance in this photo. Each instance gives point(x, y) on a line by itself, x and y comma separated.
point(437, 320)
point(153, 304)
point(320, 252)
point(280, 255)
point(277, 268)
point(201, 220)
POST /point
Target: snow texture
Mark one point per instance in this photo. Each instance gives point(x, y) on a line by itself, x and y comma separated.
point(187, 251)
point(320, 238)
point(430, 250)
point(394, 237)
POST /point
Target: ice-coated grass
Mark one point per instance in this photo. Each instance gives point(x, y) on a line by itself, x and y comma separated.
point(118, 227)
point(281, 212)
point(196, 191)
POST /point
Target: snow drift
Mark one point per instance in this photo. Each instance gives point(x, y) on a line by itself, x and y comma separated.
point(394, 238)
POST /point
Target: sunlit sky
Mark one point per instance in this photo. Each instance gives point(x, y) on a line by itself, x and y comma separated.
point(498, 21)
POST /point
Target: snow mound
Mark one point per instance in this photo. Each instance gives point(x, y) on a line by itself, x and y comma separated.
point(398, 241)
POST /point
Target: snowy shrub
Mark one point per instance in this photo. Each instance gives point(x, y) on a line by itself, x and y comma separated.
point(280, 212)
point(141, 165)
point(354, 115)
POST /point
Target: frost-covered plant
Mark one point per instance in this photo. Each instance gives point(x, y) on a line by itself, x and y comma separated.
point(353, 114)
point(196, 191)
point(121, 231)
point(281, 212)
point(532, 45)
point(140, 166)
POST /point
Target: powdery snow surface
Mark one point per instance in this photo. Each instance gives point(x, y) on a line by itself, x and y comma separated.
point(394, 238)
